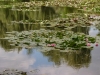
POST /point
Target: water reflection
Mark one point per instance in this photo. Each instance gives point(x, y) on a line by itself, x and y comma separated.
point(6, 45)
point(29, 0)
point(93, 31)
point(18, 20)
point(52, 62)
point(12, 58)
point(76, 60)
point(13, 20)
point(5, 2)
point(81, 29)
point(25, 59)
point(47, 12)
point(7, 16)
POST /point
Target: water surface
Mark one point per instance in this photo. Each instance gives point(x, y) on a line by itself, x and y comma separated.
point(46, 63)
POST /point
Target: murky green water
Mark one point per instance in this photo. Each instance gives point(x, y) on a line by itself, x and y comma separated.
point(45, 63)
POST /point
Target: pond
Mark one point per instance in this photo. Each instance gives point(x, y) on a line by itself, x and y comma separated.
point(22, 18)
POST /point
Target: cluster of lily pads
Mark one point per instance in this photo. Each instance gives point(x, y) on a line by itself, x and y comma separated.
point(26, 22)
point(5, 6)
point(6, 3)
point(50, 39)
point(17, 72)
point(73, 20)
point(71, 3)
point(88, 6)
point(11, 72)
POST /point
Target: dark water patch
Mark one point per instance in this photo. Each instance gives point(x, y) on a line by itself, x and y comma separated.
point(48, 12)
point(6, 45)
point(7, 2)
point(81, 29)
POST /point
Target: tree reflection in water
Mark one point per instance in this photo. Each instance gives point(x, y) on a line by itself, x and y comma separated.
point(7, 47)
point(76, 59)
point(47, 12)
point(81, 29)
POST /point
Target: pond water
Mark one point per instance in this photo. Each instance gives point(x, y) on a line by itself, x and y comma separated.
point(44, 63)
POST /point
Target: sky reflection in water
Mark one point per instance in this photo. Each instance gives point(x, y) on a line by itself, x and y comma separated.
point(93, 31)
point(14, 60)
point(36, 60)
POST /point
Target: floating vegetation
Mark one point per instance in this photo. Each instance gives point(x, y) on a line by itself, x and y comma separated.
point(5, 6)
point(6, 3)
point(18, 72)
point(26, 22)
point(72, 20)
point(51, 39)
point(88, 6)
point(24, 9)
point(17, 8)
point(84, 5)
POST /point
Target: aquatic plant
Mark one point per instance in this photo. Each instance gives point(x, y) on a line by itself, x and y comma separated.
point(18, 72)
point(71, 20)
point(50, 39)
point(84, 5)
